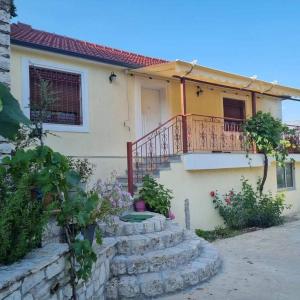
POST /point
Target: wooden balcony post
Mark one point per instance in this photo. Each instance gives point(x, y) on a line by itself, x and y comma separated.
point(253, 100)
point(130, 168)
point(183, 112)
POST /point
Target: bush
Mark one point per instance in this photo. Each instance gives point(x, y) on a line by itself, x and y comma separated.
point(156, 196)
point(249, 208)
point(24, 184)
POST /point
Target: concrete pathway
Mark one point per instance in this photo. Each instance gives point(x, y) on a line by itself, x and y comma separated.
point(261, 265)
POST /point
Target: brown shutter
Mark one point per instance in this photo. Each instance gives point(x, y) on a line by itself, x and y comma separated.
point(67, 90)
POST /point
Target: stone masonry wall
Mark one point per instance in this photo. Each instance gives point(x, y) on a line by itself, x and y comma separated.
point(5, 41)
point(42, 275)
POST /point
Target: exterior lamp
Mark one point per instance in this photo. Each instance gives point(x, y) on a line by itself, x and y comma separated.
point(199, 91)
point(112, 77)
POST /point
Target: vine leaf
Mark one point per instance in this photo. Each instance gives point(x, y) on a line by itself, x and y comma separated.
point(11, 115)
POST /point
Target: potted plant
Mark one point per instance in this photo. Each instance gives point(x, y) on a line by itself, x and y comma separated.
point(156, 197)
point(139, 205)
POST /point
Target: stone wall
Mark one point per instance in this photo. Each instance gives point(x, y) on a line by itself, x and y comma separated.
point(42, 275)
point(5, 41)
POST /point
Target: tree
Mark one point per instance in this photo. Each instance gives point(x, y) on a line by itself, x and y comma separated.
point(269, 135)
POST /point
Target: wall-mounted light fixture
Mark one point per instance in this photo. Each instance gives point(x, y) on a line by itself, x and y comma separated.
point(199, 91)
point(112, 77)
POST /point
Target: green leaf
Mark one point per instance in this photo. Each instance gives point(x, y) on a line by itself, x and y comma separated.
point(11, 115)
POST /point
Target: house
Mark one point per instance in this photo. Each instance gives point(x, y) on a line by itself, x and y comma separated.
point(176, 120)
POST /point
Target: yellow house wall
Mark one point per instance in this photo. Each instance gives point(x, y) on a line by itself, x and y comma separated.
point(110, 112)
point(113, 108)
point(210, 101)
point(196, 186)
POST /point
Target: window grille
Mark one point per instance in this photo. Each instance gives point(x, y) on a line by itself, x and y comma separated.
point(66, 88)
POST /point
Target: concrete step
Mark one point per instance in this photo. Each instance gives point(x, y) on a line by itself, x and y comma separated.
point(172, 235)
point(153, 284)
point(157, 260)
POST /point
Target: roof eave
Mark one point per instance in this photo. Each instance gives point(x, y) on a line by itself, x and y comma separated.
point(73, 54)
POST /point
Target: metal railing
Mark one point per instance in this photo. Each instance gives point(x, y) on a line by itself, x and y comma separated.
point(181, 134)
point(147, 153)
point(188, 134)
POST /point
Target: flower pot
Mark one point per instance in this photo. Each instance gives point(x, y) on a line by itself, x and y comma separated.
point(89, 232)
point(140, 205)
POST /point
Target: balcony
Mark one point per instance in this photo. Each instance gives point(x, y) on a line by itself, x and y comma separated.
point(189, 134)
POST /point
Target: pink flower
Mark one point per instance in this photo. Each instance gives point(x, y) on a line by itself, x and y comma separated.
point(212, 194)
point(231, 193)
point(227, 200)
point(171, 215)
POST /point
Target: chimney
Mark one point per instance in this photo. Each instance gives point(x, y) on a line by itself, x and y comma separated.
point(5, 6)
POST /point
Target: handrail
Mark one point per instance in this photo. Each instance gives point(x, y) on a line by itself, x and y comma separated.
point(181, 115)
point(157, 128)
point(214, 117)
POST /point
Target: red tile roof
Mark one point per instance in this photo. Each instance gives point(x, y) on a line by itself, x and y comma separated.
point(25, 35)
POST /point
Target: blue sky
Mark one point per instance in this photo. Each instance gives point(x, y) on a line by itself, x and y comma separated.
point(245, 37)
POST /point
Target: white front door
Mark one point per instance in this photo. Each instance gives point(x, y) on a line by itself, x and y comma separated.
point(151, 109)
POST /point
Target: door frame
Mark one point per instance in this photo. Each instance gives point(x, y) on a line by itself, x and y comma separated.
point(147, 83)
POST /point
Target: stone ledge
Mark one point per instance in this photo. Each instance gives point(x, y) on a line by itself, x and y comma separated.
point(32, 263)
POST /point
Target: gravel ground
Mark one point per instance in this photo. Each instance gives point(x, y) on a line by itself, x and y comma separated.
point(260, 265)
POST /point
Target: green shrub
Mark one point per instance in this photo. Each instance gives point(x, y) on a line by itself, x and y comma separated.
point(218, 233)
point(22, 213)
point(155, 195)
point(250, 207)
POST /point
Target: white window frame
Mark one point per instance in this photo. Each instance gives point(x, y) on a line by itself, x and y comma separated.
point(26, 63)
point(287, 188)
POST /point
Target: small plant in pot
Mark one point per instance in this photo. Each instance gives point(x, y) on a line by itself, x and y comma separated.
point(139, 205)
point(156, 197)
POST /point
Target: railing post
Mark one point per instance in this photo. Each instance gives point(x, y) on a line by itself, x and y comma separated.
point(184, 134)
point(130, 167)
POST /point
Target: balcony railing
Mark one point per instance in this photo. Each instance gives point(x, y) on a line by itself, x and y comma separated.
point(187, 134)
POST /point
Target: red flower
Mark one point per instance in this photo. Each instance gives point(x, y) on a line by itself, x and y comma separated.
point(231, 193)
point(227, 200)
point(212, 194)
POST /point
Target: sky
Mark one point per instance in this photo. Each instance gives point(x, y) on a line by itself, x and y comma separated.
point(257, 37)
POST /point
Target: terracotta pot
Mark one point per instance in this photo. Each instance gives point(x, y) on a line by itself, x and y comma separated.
point(140, 205)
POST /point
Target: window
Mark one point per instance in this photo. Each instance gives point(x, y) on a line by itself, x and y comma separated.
point(233, 109)
point(285, 176)
point(66, 86)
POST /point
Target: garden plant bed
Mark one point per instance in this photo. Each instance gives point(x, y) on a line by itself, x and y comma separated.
point(223, 233)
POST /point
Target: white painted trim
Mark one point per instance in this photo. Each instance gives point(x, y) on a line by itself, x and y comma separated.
point(26, 62)
point(212, 161)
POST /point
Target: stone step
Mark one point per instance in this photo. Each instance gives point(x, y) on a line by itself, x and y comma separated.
point(149, 285)
point(158, 260)
point(142, 244)
point(119, 228)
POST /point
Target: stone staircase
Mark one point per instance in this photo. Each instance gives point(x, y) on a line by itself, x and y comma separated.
point(143, 168)
point(157, 257)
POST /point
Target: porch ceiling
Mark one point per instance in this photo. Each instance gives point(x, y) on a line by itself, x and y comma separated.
point(203, 74)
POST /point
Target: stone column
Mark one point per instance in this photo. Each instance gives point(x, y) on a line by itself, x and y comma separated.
point(5, 41)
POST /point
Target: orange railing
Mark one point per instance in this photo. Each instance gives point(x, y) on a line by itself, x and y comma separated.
point(188, 134)
point(181, 134)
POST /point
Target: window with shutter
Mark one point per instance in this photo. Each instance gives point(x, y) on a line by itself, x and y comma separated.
point(66, 87)
point(234, 113)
